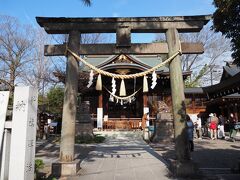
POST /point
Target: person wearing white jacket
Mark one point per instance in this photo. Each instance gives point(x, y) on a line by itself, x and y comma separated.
point(198, 126)
point(221, 132)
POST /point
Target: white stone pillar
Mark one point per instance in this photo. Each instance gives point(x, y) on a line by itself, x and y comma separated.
point(100, 110)
point(5, 154)
point(23, 140)
point(99, 117)
point(4, 96)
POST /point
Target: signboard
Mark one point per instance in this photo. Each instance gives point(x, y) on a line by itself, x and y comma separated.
point(4, 96)
point(23, 140)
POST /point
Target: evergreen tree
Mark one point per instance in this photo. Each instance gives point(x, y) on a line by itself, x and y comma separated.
point(87, 2)
point(55, 100)
point(226, 19)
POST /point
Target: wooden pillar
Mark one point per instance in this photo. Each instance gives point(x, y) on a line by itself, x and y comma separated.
point(100, 100)
point(145, 105)
point(222, 110)
point(228, 109)
point(100, 111)
point(70, 101)
point(193, 103)
point(178, 104)
point(235, 109)
point(145, 100)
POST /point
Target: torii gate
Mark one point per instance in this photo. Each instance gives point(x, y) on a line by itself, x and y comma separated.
point(123, 27)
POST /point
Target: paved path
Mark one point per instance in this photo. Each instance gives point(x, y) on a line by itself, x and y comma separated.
point(123, 156)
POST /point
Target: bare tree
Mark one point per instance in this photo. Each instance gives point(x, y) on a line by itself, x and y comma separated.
point(39, 75)
point(16, 43)
point(60, 62)
point(217, 50)
point(87, 2)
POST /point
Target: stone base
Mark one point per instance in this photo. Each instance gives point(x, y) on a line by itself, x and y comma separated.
point(61, 169)
point(184, 169)
point(146, 134)
point(84, 130)
point(163, 128)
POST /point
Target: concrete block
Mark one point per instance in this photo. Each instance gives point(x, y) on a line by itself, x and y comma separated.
point(146, 134)
point(184, 169)
point(61, 169)
point(163, 128)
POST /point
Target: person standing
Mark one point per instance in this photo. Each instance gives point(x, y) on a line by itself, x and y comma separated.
point(190, 129)
point(193, 118)
point(232, 123)
point(46, 131)
point(213, 126)
point(198, 126)
point(221, 132)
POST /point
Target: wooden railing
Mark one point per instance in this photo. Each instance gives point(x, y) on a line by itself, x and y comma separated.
point(122, 123)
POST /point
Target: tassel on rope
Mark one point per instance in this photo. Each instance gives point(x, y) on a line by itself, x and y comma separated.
point(99, 83)
point(130, 100)
point(145, 84)
point(113, 86)
point(154, 80)
point(122, 89)
point(90, 79)
point(111, 98)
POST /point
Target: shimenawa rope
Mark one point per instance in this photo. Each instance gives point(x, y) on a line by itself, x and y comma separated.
point(128, 76)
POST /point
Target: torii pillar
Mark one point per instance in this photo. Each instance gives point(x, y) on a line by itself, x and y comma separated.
point(182, 166)
point(67, 165)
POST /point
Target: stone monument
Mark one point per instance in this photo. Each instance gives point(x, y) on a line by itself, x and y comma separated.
point(163, 125)
point(84, 124)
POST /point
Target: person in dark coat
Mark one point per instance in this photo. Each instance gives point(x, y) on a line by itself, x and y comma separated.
point(190, 129)
point(232, 123)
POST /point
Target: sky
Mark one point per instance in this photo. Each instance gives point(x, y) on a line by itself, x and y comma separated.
point(27, 10)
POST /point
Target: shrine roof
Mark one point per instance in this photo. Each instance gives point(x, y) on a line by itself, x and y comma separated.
point(229, 70)
point(226, 87)
point(146, 61)
point(194, 90)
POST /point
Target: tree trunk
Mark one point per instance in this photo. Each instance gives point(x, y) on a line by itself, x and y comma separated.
point(12, 78)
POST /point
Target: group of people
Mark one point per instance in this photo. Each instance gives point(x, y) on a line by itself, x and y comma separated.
point(213, 128)
point(216, 126)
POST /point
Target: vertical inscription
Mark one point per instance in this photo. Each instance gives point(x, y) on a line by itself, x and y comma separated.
point(22, 153)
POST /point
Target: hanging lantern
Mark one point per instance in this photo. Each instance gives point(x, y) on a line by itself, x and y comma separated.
point(145, 84)
point(99, 83)
point(122, 89)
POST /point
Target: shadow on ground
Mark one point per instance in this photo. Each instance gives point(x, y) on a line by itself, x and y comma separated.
point(216, 159)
